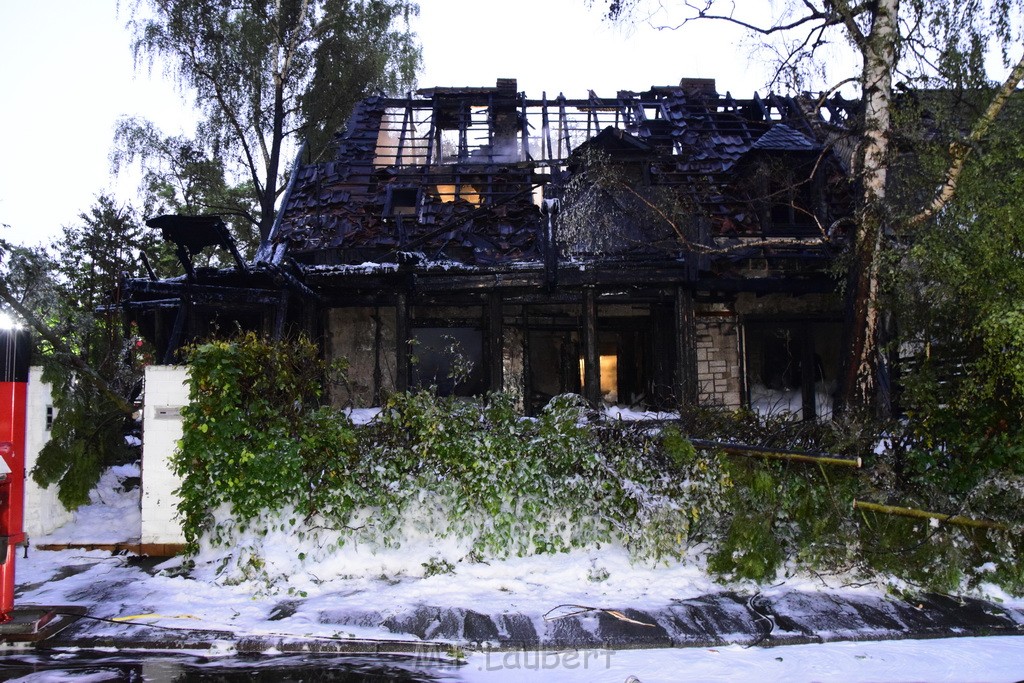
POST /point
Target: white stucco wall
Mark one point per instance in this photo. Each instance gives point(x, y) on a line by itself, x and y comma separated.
point(43, 512)
point(166, 394)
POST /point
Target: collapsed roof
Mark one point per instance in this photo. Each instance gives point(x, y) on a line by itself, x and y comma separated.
point(468, 174)
point(452, 194)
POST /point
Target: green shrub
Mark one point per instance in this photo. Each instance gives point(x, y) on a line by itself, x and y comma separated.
point(256, 436)
point(262, 451)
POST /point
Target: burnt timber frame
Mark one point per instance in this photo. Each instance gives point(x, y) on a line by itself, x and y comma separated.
point(458, 197)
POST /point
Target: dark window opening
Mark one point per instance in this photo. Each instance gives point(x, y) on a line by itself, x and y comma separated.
point(450, 359)
point(402, 201)
point(792, 367)
point(634, 363)
point(554, 360)
point(792, 200)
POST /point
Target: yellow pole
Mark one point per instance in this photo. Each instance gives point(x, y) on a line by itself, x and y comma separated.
point(754, 451)
point(923, 514)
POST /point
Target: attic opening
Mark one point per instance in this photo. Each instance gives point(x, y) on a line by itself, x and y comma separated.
point(450, 192)
point(401, 201)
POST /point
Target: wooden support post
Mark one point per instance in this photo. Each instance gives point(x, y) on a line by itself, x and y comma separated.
point(550, 247)
point(378, 338)
point(591, 358)
point(527, 377)
point(686, 347)
point(280, 313)
point(496, 334)
point(180, 323)
point(545, 128)
point(524, 128)
point(401, 342)
point(313, 322)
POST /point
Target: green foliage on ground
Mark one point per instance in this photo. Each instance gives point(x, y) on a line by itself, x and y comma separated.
point(258, 438)
point(263, 451)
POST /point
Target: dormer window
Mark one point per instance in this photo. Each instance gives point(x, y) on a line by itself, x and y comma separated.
point(784, 185)
point(791, 200)
point(402, 201)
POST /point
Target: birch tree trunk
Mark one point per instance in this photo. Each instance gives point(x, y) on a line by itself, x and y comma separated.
point(878, 47)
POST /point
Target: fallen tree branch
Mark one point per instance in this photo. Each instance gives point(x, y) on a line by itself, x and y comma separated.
point(798, 456)
point(924, 514)
point(960, 150)
point(61, 349)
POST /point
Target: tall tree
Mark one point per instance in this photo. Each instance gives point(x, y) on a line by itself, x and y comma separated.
point(268, 76)
point(180, 176)
point(924, 43)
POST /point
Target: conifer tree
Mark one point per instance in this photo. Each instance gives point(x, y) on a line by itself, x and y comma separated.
point(64, 294)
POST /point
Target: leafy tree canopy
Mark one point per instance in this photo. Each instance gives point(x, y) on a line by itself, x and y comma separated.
point(957, 292)
point(267, 77)
point(917, 43)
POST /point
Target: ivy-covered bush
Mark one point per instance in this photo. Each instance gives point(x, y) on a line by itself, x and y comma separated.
point(263, 453)
point(259, 440)
point(257, 434)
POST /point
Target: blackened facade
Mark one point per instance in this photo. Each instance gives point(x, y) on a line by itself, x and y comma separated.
point(651, 249)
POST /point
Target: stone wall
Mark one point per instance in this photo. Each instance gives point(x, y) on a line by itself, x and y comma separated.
point(718, 362)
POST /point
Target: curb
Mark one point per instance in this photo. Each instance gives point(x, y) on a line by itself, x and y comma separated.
point(715, 620)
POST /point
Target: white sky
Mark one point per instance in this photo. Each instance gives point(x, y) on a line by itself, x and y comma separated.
point(66, 75)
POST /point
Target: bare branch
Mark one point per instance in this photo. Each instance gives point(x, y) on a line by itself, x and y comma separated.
point(753, 243)
point(827, 19)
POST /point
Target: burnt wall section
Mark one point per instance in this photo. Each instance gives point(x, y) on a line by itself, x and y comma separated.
point(365, 337)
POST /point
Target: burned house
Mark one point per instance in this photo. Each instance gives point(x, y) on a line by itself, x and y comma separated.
point(657, 248)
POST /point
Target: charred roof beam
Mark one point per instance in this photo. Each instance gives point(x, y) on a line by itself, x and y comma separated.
point(192, 234)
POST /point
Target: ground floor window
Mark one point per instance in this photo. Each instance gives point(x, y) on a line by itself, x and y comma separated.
point(450, 359)
point(792, 366)
point(635, 360)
